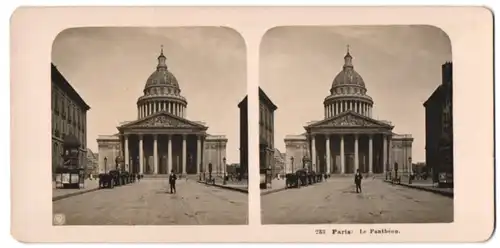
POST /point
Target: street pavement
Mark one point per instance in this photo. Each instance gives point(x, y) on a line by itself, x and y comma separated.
point(89, 185)
point(336, 201)
point(148, 202)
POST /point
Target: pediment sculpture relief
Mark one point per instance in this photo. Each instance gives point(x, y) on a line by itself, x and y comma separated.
point(350, 120)
point(163, 121)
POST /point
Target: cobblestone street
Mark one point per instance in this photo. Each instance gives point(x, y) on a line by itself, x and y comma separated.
point(336, 201)
point(149, 203)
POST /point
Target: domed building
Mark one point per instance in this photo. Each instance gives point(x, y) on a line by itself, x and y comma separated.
point(162, 139)
point(348, 138)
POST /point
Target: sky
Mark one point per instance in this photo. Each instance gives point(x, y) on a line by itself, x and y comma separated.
point(109, 67)
point(400, 65)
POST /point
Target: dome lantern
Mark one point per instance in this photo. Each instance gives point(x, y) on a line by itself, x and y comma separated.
point(162, 61)
point(348, 59)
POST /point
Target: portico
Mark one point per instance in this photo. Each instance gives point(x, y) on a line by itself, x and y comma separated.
point(163, 143)
point(348, 142)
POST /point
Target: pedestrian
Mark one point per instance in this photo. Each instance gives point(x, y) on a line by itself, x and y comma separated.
point(138, 177)
point(171, 181)
point(357, 180)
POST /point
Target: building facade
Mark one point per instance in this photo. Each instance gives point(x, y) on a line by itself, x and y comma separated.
point(243, 106)
point(348, 138)
point(439, 126)
point(279, 163)
point(92, 162)
point(266, 132)
point(162, 139)
point(69, 116)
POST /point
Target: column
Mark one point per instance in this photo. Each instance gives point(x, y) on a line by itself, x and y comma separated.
point(342, 156)
point(331, 110)
point(408, 152)
point(127, 160)
point(154, 107)
point(164, 106)
point(139, 112)
point(184, 155)
point(356, 107)
point(141, 155)
point(385, 153)
point(370, 154)
point(313, 151)
point(328, 159)
point(155, 154)
point(389, 150)
point(326, 112)
point(169, 154)
point(169, 105)
point(356, 153)
point(198, 154)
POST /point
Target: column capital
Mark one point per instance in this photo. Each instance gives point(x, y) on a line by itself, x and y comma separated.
point(155, 136)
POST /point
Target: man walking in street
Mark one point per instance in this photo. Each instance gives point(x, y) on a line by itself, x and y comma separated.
point(171, 180)
point(357, 180)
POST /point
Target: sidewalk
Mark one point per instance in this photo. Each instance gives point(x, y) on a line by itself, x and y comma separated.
point(276, 186)
point(230, 185)
point(426, 186)
point(58, 194)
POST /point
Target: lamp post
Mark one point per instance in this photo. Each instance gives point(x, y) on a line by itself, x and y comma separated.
point(105, 164)
point(224, 171)
point(291, 160)
point(411, 171)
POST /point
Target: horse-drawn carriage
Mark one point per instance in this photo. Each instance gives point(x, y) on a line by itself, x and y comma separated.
point(117, 177)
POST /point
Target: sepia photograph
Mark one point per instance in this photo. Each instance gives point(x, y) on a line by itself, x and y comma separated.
point(200, 124)
point(356, 125)
point(146, 126)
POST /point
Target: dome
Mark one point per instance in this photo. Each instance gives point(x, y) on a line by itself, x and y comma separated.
point(348, 77)
point(162, 78)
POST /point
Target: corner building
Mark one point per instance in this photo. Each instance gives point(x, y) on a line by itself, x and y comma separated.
point(162, 138)
point(69, 117)
point(439, 125)
point(266, 135)
point(348, 138)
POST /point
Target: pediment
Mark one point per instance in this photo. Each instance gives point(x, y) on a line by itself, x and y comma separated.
point(350, 119)
point(163, 120)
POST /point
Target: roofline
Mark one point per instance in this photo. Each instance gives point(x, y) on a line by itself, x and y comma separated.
point(58, 79)
point(433, 95)
point(265, 98)
point(243, 102)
